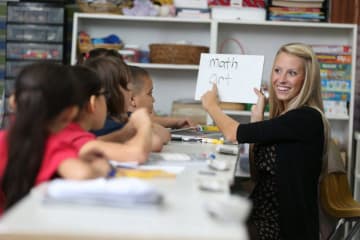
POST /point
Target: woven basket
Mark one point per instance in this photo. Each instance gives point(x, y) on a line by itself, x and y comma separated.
point(176, 53)
point(93, 7)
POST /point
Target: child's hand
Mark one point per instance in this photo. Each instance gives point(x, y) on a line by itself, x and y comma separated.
point(140, 118)
point(184, 122)
point(97, 160)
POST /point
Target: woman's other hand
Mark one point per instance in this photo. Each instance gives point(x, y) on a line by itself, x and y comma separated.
point(257, 110)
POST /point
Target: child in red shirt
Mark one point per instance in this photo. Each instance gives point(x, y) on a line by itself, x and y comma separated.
point(46, 100)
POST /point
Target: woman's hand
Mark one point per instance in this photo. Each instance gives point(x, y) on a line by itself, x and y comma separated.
point(210, 98)
point(257, 110)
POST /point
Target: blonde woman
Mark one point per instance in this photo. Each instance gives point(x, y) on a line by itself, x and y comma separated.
point(288, 149)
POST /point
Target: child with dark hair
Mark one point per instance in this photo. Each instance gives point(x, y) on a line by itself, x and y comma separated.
point(142, 88)
point(46, 99)
point(92, 116)
point(115, 75)
point(99, 52)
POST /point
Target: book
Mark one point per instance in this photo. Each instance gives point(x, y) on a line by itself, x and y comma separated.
point(335, 108)
point(294, 9)
point(336, 96)
point(330, 85)
point(336, 66)
point(334, 58)
point(293, 19)
point(335, 74)
point(283, 3)
point(328, 49)
point(298, 15)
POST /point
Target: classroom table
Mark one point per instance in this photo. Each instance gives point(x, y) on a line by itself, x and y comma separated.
point(182, 215)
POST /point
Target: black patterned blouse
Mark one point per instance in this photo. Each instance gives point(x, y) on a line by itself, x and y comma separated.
point(288, 159)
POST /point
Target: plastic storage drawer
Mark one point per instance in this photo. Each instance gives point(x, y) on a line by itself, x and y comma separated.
point(34, 51)
point(34, 33)
point(35, 14)
point(13, 68)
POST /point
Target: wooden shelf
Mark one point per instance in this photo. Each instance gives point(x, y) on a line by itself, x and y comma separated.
point(165, 66)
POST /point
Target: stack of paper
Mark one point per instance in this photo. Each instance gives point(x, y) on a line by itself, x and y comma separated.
point(113, 192)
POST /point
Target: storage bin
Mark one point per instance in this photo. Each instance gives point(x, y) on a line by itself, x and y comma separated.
point(176, 53)
point(34, 14)
point(35, 33)
point(34, 51)
point(14, 67)
point(104, 6)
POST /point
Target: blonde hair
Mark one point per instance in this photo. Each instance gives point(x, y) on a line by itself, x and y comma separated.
point(310, 93)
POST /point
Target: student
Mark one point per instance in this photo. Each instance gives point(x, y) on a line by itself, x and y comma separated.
point(46, 99)
point(289, 147)
point(115, 74)
point(142, 88)
point(92, 117)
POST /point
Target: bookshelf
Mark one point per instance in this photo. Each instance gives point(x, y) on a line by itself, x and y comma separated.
point(172, 82)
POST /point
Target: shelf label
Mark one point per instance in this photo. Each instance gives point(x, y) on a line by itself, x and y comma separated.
point(235, 76)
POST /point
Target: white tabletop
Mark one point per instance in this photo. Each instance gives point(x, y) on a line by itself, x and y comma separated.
point(182, 216)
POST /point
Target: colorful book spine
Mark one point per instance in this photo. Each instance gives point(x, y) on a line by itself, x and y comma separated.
point(336, 96)
point(334, 58)
point(294, 9)
point(335, 74)
point(329, 85)
point(334, 49)
point(335, 66)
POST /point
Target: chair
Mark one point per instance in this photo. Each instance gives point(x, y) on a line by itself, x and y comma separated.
point(337, 201)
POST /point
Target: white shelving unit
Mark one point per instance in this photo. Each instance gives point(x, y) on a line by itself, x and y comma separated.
point(172, 82)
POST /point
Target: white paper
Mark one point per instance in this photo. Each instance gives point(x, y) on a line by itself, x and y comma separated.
point(236, 76)
point(119, 192)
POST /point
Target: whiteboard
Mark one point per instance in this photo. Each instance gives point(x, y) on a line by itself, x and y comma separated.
point(236, 76)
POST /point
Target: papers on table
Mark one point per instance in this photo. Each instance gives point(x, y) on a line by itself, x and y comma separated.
point(117, 192)
point(160, 164)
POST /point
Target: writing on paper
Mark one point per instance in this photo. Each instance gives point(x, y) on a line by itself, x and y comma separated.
point(226, 64)
point(234, 75)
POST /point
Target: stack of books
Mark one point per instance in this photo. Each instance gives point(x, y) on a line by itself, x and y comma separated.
point(335, 71)
point(299, 10)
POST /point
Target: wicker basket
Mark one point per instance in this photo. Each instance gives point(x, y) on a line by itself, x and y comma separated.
point(176, 53)
point(94, 7)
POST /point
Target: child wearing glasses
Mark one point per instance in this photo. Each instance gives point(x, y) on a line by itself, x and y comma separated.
point(115, 75)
